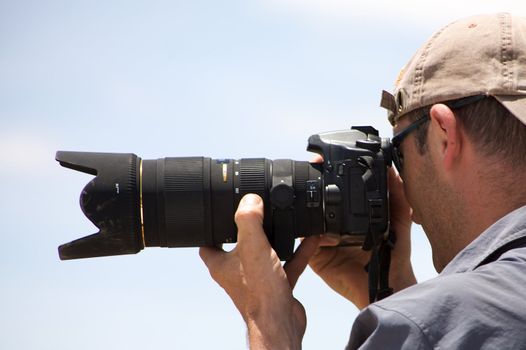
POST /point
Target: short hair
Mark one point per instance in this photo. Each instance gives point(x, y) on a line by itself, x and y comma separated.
point(493, 129)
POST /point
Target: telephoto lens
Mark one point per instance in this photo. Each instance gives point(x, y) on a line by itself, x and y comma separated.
point(190, 201)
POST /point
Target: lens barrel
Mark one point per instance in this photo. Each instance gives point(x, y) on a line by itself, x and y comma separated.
point(191, 201)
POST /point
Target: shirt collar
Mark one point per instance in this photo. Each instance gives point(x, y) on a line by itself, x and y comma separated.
point(506, 229)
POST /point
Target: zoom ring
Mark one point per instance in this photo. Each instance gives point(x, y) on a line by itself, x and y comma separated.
point(252, 177)
point(184, 200)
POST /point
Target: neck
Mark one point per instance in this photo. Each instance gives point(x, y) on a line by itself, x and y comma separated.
point(488, 193)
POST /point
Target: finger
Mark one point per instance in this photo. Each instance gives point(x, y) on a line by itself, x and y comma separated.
point(400, 209)
point(317, 159)
point(295, 267)
point(329, 240)
point(249, 221)
point(401, 225)
point(396, 184)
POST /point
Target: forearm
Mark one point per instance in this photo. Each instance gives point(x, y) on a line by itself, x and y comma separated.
point(276, 324)
point(266, 335)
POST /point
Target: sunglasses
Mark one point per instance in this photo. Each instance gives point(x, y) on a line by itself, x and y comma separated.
point(398, 156)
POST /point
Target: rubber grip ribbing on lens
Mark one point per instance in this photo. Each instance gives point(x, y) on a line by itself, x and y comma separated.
point(186, 193)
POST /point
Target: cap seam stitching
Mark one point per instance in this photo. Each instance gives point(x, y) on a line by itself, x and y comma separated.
point(418, 79)
point(506, 51)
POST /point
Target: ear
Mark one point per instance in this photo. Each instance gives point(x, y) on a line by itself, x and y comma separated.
point(446, 135)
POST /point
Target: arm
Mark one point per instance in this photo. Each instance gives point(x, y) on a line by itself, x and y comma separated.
point(257, 283)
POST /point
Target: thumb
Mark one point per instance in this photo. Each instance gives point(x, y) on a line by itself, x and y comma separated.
point(213, 257)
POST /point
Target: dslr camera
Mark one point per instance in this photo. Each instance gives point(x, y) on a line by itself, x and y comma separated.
point(191, 201)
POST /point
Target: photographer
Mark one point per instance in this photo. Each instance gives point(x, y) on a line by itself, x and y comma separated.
point(459, 117)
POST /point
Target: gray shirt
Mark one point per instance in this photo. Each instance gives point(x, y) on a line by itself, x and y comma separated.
point(465, 307)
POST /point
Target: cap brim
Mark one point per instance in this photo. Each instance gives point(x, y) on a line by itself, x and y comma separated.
point(516, 104)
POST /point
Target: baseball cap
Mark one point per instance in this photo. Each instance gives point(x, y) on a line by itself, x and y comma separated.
point(479, 55)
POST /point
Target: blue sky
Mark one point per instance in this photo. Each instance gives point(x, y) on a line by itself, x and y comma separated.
point(171, 78)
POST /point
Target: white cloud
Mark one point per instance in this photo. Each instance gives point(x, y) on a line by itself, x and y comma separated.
point(26, 151)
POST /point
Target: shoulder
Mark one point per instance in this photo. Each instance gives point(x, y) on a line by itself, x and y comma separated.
point(378, 327)
point(483, 308)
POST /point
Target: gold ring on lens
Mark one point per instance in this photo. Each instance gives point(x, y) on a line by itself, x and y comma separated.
point(140, 204)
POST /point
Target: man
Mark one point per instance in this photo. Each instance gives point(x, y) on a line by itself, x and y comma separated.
point(459, 117)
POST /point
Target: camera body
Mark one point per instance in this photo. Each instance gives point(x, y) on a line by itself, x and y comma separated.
point(191, 201)
point(355, 184)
